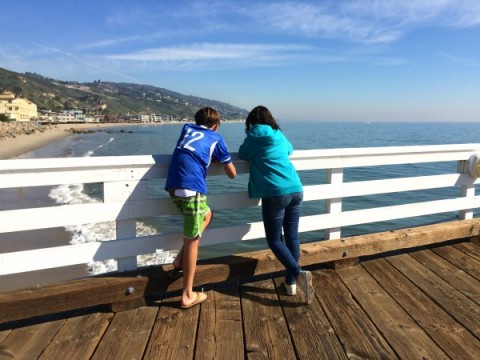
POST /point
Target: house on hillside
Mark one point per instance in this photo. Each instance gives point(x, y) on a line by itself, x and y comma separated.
point(18, 109)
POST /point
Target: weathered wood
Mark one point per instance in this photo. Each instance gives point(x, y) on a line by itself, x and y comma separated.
point(22, 304)
point(128, 304)
point(174, 333)
point(266, 332)
point(406, 338)
point(450, 299)
point(470, 249)
point(220, 331)
point(354, 329)
point(78, 338)
point(462, 281)
point(460, 260)
point(370, 316)
point(127, 335)
point(451, 336)
point(114, 289)
point(340, 264)
point(312, 334)
point(28, 342)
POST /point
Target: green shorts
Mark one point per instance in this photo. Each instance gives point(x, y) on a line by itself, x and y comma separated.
point(193, 209)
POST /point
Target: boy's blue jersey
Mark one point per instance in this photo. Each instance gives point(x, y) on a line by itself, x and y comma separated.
point(196, 148)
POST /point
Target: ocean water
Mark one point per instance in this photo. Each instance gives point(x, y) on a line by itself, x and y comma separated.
point(161, 139)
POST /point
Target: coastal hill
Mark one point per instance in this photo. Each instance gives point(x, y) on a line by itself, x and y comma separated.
point(108, 97)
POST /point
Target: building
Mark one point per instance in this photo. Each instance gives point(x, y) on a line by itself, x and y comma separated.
point(17, 109)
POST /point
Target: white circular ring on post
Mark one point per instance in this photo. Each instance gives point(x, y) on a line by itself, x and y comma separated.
point(473, 165)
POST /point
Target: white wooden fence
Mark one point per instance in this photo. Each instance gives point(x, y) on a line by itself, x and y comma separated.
point(125, 200)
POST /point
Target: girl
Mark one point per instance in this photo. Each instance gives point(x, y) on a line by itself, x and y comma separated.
point(274, 179)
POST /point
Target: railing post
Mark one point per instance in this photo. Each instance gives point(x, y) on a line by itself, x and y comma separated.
point(333, 206)
point(467, 191)
point(125, 229)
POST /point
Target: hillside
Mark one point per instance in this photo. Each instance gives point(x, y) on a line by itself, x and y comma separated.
point(119, 98)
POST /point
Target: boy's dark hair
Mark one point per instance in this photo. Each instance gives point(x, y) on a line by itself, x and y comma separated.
point(207, 116)
point(260, 115)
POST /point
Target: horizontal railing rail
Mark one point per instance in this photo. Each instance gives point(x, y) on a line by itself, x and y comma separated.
point(125, 200)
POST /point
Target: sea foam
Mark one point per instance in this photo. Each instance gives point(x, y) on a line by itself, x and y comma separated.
point(86, 233)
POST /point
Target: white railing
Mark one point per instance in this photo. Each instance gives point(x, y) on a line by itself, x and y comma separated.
point(125, 180)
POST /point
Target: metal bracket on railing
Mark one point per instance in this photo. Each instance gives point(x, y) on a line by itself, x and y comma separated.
point(473, 165)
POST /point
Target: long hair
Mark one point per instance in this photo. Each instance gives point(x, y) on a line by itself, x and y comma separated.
point(260, 115)
point(207, 116)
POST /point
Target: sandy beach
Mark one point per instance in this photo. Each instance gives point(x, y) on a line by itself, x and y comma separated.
point(22, 143)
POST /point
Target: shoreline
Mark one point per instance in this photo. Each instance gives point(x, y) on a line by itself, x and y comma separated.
point(22, 143)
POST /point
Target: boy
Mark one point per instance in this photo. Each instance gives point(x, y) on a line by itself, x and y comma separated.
point(197, 147)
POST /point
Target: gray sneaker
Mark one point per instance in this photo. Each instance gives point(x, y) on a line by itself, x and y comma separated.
point(304, 280)
point(291, 289)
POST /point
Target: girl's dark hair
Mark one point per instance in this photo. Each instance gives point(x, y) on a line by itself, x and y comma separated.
point(207, 116)
point(260, 115)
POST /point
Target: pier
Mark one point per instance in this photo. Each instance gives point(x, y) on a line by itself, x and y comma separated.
point(407, 293)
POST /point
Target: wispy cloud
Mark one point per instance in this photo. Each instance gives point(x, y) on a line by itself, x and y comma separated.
point(460, 60)
point(362, 20)
point(213, 52)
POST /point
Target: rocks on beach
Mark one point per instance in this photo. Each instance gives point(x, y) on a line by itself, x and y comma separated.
point(10, 130)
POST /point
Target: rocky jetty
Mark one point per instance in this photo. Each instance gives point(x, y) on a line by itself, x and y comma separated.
point(13, 129)
point(10, 130)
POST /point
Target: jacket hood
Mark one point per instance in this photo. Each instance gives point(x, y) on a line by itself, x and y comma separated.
point(262, 133)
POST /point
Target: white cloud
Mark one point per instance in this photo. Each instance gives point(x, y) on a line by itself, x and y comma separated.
point(362, 20)
point(209, 51)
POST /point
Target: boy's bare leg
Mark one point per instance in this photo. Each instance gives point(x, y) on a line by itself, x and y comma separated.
point(178, 262)
point(189, 253)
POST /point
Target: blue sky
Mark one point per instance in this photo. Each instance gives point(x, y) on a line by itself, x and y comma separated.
point(356, 60)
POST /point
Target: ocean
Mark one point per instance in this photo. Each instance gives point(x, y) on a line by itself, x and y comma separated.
point(161, 139)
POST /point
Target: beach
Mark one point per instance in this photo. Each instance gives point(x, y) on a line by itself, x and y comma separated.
point(39, 135)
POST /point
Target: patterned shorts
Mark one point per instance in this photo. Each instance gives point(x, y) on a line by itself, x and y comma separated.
point(193, 209)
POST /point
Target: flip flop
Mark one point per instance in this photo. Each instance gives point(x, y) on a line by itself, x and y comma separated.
point(200, 298)
point(175, 273)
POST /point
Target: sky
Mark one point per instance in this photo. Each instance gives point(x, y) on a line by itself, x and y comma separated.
point(358, 60)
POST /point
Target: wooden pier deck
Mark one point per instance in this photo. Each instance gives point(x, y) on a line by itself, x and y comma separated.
point(421, 304)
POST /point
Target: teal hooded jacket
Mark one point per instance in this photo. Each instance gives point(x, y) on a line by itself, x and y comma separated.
point(271, 172)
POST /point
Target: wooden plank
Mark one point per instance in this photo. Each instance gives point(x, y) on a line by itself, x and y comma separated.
point(127, 335)
point(312, 333)
point(220, 330)
point(79, 337)
point(55, 298)
point(460, 260)
point(356, 332)
point(406, 338)
point(451, 336)
point(459, 279)
point(461, 308)
point(470, 249)
point(175, 331)
point(371, 244)
point(106, 290)
point(28, 342)
point(266, 332)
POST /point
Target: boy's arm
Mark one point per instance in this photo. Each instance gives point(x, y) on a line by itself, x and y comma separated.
point(230, 170)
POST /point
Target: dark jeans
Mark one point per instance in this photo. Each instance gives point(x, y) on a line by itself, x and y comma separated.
point(283, 212)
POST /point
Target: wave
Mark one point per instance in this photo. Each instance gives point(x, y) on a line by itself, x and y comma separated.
point(86, 233)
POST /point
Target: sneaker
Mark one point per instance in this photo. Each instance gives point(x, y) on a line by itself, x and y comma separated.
point(304, 280)
point(291, 289)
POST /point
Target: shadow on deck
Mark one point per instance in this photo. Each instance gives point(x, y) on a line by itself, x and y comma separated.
point(414, 305)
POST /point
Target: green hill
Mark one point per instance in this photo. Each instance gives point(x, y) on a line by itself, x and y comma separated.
point(119, 98)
